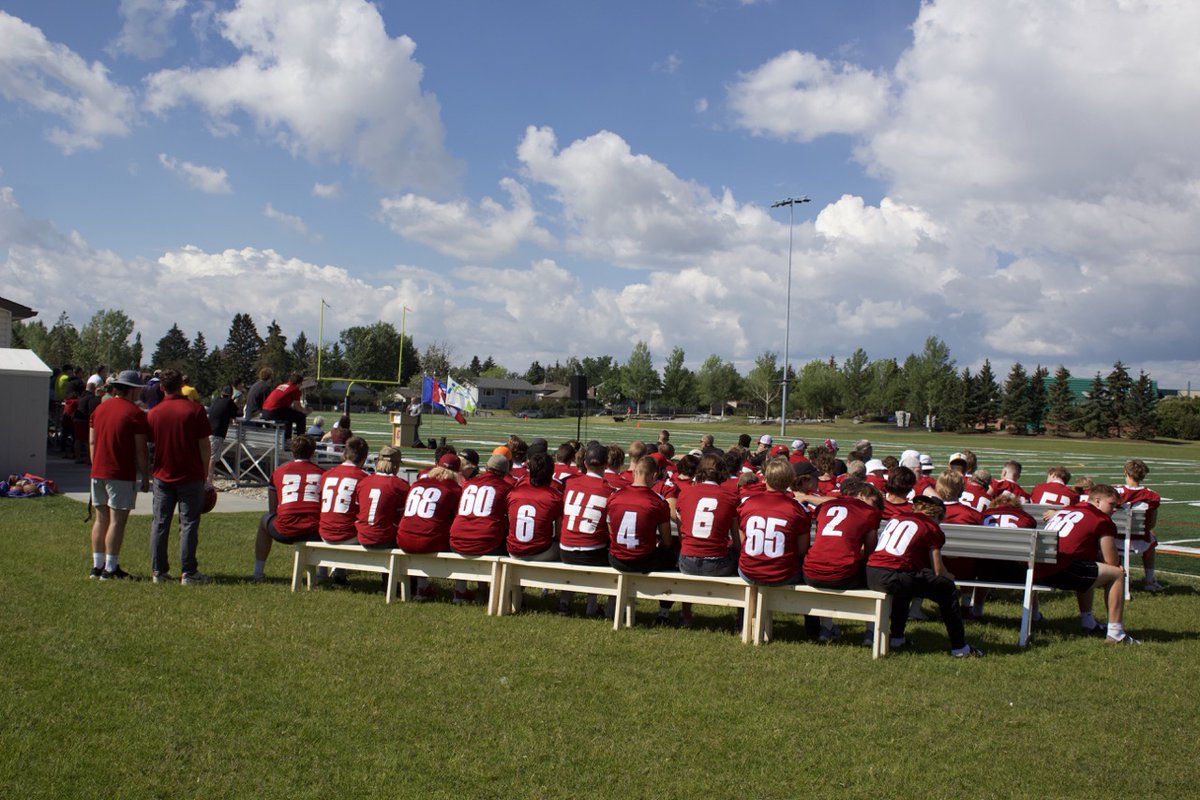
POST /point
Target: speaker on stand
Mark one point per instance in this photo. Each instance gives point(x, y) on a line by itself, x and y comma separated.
point(579, 389)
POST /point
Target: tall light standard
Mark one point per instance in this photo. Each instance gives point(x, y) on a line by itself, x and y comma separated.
point(791, 203)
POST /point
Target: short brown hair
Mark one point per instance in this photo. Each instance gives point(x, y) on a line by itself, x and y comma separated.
point(779, 474)
point(929, 506)
point(1103, 490)
point(303, 446)
point(949, 485)
point(357, 449)
point(1136, 469)
point(171, 381)
point(266, 373)
point(1060, 472)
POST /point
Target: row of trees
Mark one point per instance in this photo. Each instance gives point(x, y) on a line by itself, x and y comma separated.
point(926, 384)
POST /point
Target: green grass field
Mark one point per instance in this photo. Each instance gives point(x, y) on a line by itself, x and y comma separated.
point(239, 689)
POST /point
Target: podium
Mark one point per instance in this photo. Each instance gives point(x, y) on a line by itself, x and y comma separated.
point(404, 429)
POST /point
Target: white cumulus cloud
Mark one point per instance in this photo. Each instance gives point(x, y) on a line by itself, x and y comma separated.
point(145, 28)
point(54, 79)
point(213, 180)
point(323, 79)
point(326, 190)
point(287, 220)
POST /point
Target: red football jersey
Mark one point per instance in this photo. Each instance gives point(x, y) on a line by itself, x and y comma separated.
point(281, 396)
point(380, 504)
point(959, 514)
point(707, 518)
point(923, 483)
point(1139, 498)
point(532, 513)
point(564, 471)
point(428, 512)
point(482, 522)
point(1080, 529)
point(616, 480)
point(1054, 494)
point(298, 497)
point(339, 502)
point(828, 488)
point(584, 523)
point(975, 496)
point(634, 516)
point(905, 543)
point(1013, 488)
point(667, 488)
point(116, 423)
point(518, 473)
point(776, 528)
point(1009, 517)
point(892, 510)
point(878, 481)
point(837, 547)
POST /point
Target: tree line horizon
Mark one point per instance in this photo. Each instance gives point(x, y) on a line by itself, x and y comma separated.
point(927, 385)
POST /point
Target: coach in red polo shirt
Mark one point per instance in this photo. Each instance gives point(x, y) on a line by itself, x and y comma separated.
point(119, 456)
point(179, 429)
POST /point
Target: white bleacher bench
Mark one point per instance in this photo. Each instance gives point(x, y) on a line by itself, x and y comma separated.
point(455, 568)
point(1126, 519)
point(311, 555)
point(864, 605)
point(732, 592)
point(252, 451)
point(517, 574)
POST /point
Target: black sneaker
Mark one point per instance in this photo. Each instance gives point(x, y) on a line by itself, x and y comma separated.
point(1099, 630)
point(117, 574)
point(95, 573)
point(972, 652)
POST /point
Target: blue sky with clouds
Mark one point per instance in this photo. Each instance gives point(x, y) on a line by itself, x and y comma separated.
point(543, 179)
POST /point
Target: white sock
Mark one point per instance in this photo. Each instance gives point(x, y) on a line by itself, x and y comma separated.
point(1087, 620)
point(260, 564)
point(1150, 575)
point(110, 563)
point(98, 560)
point(1116, 630)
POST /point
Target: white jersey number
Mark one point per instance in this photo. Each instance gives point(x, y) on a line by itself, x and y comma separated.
point(422, 501)
point(703, 518)
point(588, 515)
point(764, 536)
point(837, 515)
point(337, 494)
point(291, 488)
point(477, 501)
point(897, 536)
point(523, 530)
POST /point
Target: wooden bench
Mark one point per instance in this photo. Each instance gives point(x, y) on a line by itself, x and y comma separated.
point(455, 568)
point(1127, 520)
point(311, 555)
point(863, 605)
point(517, 574)
point(731, 592)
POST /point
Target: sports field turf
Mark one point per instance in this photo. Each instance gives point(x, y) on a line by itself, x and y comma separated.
point(243, 689)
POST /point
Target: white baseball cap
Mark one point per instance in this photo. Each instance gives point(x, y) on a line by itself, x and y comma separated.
point(765, 439)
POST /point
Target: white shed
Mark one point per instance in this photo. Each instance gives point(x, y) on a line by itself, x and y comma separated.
point(24, 412)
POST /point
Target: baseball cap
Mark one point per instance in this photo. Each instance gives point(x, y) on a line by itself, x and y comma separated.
point(695, 451)
point(450, 461)
point(469, 455)
point(502, 450)
point(832, 444)
point(498, 463)
point(779, 448)
point(802, 468)
point(765, 439)
point(129, 377)
point(875, 465)
point(911, 459)
point(957, 457)
point(799, 444)
point(227, 391)
point(862, 444)
point(926, 463)
point(389, 453)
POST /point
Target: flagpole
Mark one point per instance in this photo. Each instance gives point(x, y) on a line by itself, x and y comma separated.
point(320, 338)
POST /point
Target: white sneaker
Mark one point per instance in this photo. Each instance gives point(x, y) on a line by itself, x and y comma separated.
point(1123, 639)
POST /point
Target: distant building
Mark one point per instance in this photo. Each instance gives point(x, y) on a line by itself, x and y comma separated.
point(1082, 387)
point(9, 312)
point(553, 391)
point(498, 393)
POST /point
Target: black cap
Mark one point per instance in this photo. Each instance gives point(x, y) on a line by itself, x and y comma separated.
point(803, 468)
point(467, 454)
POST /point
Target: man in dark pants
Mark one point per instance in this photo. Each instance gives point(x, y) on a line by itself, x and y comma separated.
point(179, 429)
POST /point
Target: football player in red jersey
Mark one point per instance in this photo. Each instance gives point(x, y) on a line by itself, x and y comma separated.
point(381, 499)
point(977, 491)
point(535, 508)
point(616, 465)
point(482, 522)
point(1138, 497)
point(907, 563)
point(1055, 491)
point(950, 488)
point(844, 536)
point(339, 494)
point(707, 523)
point(824, 461)
point(564, 462)
point(428, 511)
point(639, 524)
point(1009, 475)
point(773, 530)
point(1082, 530)
point(293, 504)
point(896, 491)
point(584, 527)
point(1004, 512)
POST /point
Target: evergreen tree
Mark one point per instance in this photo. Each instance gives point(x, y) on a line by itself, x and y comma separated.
point(1095, 417)
point(987, 395)
point(275, 353)
point(199, 367)
point(475, 367)
point(242, 349)
point(929, 379)
point(970, 411)
point(536, 373)
point(489, 363)
point(136, 351)
point(33, 336)
point(60, 345)
point(1143, 399)
point(1061, 413)
point(856, 383)
point(1120, 391)
point(639, 379)
point(1038, 400)
point(304, 355)
point(678, 382)
point(953, 411)
point(171, 352)
point(1015, 405)
point(333, 360)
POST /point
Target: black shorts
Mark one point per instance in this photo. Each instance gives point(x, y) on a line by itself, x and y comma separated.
point(585, 558)
point(269, 521)
point(856, 581)
point(660, 560)
point(1076, 577)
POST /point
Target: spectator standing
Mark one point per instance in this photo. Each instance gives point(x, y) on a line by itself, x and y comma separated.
point(220, 414)
point(152, 393)
point(258, 392)
point(180, 432)
point(189, 391)
point(89, 401)
point(99, 376)
point(117, 441)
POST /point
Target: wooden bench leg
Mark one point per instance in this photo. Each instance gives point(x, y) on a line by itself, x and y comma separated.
point(393, 571)
point(494, 591)
point(754, 622)
point(620, 610)
point(297, 567)
point(750, 614)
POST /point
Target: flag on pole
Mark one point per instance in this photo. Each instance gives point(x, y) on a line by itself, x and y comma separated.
point(459, 395)
point(434, 393)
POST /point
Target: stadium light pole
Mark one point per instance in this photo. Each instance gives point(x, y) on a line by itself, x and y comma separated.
point(791, 203)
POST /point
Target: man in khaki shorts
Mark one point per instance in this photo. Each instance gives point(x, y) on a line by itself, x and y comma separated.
point(117, 442)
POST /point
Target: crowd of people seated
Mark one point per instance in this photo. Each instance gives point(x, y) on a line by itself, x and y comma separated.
point(773, 515)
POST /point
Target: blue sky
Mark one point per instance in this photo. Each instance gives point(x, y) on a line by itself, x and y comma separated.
point(545, 179)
